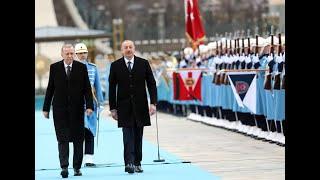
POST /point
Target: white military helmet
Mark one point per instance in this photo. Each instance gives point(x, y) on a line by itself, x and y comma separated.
point(80, 48)
point(188, 50)
point(203, 48)
point(212, 45)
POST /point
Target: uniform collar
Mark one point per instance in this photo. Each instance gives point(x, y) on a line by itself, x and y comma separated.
point(84, 61)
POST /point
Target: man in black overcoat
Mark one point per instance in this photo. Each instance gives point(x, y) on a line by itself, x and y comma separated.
point(128, 101)
point(69, 92)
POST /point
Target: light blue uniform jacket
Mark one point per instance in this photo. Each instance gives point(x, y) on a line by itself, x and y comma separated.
point(90, 122)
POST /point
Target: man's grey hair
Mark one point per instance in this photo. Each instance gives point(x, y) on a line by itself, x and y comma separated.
point(66, 46)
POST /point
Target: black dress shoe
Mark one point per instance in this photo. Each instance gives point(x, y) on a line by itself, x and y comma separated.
point(90, 165)
point(77, 172)
point(129, 168)
point(138, 169)
point(64, 172)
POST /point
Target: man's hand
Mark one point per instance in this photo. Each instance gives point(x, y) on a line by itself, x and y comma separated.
point(89, 112)
point(46, 114)
point(114, 114)
point(152, 109)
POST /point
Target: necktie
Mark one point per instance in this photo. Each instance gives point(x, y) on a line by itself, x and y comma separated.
point(68, 71)
point(129, 66)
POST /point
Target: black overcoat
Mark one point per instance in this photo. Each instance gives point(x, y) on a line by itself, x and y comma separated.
point(68, 97)
point(128, 94)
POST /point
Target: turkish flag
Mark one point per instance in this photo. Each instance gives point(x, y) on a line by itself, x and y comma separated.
point(194, 29)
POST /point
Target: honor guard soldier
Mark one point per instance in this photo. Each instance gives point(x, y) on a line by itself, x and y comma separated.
point(90, 121)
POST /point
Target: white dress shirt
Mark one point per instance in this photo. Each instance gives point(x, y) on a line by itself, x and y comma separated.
point(66, 66)
point(127, 60)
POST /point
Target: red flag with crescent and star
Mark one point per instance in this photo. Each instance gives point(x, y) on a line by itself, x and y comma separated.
point(194, 28)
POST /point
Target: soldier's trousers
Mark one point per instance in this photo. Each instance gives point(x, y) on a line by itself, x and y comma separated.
point(88, 142)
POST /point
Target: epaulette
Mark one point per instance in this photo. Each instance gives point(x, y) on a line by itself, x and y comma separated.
point(92, 64)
